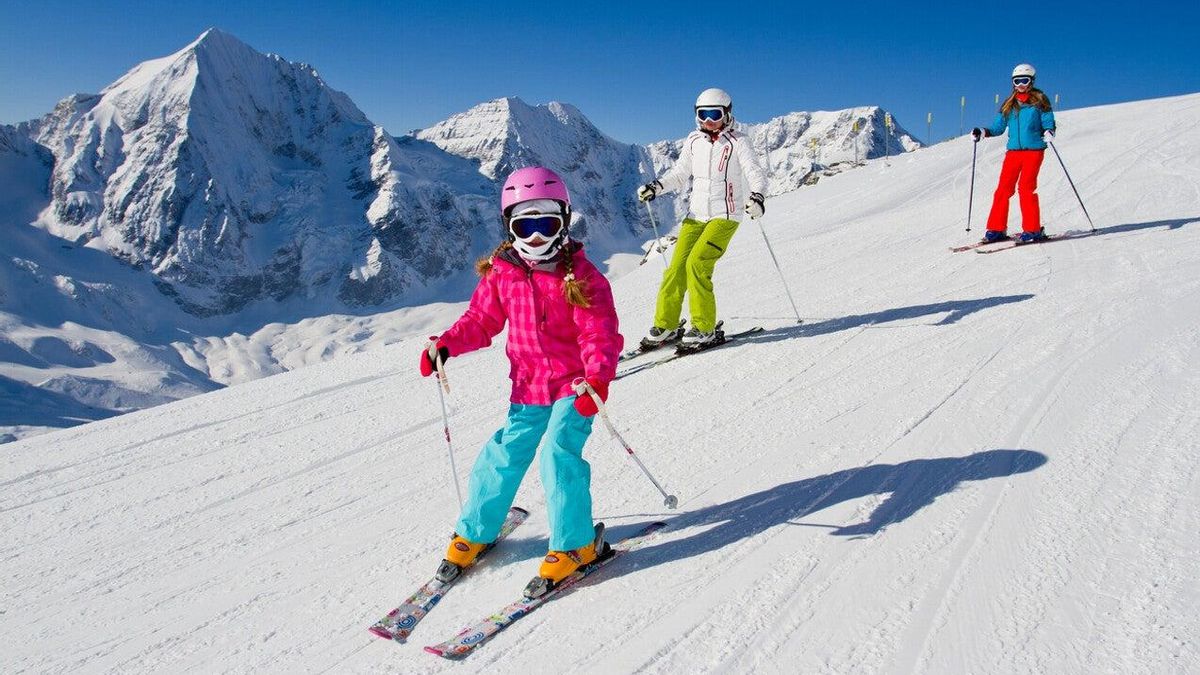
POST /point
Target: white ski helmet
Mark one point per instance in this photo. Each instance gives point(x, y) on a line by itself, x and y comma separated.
point(1024, 70)
point(714, 98)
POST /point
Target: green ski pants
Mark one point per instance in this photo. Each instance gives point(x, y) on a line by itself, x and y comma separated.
point(697, 251)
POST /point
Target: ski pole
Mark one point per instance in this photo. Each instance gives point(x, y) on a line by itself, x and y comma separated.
point(780, 270)
point(971, 196)
point(657, 239)
point(443, 383)
point(1068, 175)
point(762, 228)
point(581, 386)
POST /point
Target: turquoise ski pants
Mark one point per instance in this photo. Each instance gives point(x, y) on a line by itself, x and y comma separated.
point(566, 476)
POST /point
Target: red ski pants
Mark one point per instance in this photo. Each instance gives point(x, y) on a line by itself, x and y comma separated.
point(1020, 172)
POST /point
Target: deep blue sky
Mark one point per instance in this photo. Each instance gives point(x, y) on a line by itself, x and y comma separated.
point(632, 68)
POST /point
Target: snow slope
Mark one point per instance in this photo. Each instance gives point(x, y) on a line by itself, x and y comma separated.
point(957, 463)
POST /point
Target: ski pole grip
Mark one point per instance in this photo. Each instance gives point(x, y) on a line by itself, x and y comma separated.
point(581, 387)
point(435, 356)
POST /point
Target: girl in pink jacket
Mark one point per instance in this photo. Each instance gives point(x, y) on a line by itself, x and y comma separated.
point(562, 326)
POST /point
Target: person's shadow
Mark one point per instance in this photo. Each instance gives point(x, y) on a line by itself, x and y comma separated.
point(954, 311)
point(1172, 224)
point(910, 486)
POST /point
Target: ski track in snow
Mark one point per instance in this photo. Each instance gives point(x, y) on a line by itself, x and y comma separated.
point(967, 463)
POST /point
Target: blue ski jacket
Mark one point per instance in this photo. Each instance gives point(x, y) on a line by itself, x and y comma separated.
point(1025, 125)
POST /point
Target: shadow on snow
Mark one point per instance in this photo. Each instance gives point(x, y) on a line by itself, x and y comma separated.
point(27, 404)
point(910, 486)
point(953, 309)
point(1133, 227)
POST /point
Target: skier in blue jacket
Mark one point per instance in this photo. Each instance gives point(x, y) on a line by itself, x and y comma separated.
point(1027, 118)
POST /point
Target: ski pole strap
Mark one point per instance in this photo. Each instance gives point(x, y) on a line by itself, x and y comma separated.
point(582, 387)
point(657, 238)
point(435, 356)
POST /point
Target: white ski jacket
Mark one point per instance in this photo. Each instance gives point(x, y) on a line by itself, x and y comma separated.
point(721, 169)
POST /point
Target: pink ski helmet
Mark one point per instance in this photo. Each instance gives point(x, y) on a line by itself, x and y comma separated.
point(534, 182)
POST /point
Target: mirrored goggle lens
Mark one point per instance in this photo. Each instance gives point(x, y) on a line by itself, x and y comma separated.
point(710, 114)
point(1022, 80)
point(524, 227)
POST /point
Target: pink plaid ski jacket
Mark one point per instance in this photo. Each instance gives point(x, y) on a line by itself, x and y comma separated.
point(550, 342)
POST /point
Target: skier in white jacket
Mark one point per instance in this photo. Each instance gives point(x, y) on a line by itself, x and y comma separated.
point(720, 163)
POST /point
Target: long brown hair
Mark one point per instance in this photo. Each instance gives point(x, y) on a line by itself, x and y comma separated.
point(574, 290)
point(1037, 98)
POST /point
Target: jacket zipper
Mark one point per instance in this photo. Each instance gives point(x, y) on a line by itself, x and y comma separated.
point(1017, 124)
point(538, 309)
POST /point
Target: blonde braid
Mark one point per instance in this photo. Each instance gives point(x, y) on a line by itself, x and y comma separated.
point(574, 289)
point(484, 264)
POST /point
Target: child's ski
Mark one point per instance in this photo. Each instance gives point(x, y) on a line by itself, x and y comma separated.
point(472, 636)
point(400, 622)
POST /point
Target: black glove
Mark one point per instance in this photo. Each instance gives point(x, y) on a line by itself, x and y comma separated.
point(755, 206)
point(649, 191)
point(978, 133)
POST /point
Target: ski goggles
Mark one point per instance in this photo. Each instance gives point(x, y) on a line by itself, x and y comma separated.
point(1019, 81)
point(710, 114)
point(524, 226)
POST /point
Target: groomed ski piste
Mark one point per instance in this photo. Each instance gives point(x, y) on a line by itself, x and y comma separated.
point(957, 463)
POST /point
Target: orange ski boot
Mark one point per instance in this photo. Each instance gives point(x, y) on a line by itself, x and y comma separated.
point(460, 554)
point(558, 565)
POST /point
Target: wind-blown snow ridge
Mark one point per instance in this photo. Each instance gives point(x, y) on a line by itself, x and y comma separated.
point(957, 463)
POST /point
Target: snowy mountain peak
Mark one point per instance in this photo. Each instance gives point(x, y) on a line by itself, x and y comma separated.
point(507, 133)
point(215, 38)
point(481, 133)
point(178, 165)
